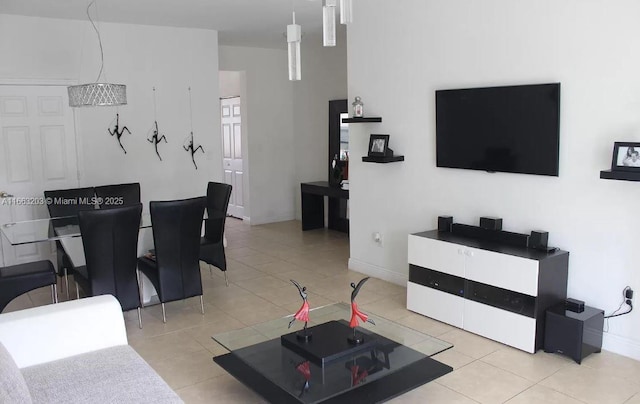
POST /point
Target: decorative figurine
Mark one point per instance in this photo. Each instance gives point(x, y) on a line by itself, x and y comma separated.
point(355, 314)
point(119, 132)
point(358, 108)
point(358, 375)
point(302, 314)
point(189, 147)
point(155, 139)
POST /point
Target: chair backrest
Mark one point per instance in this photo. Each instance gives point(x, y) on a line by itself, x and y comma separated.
point(110, 239)
point(218, 196)
point(68, 202)
point(176, 236)
point(117, 196)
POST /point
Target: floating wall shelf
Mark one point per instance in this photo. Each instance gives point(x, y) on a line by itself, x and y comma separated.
point(382, 159)
point(362, 120)
point(620, 175)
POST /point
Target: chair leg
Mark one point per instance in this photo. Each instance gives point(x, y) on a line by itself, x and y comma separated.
point(140, 288)
point(139, 318)
point(164, 314)
point(66, 281)
point(201, 304)
point(226, 279)
point(54, 293)
point(77, 291)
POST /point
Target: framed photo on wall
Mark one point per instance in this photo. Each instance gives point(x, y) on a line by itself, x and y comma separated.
point(379, 145)
point(626, 156)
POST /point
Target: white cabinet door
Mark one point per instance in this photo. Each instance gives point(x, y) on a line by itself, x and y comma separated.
point(437, 255)
point(433, 303)
point(500, 325)
point(502, 270)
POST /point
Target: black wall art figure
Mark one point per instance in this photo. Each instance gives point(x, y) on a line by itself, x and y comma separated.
point(188, 144)
point(156, 137)
point(118, 132)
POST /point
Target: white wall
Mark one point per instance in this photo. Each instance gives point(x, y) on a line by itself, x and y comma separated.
point(324, 78)
point(398, 57)
point(171, 59)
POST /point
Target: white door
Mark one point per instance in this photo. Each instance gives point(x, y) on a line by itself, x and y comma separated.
point(37, 153)
point(232, 153)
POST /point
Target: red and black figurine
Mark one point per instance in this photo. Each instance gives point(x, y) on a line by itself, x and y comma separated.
point(356, 314)
point(302, 314)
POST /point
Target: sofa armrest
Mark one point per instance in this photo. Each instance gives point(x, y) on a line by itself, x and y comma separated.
point(48, 333)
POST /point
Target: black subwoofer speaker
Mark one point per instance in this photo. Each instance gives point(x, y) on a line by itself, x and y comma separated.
point(539, 239)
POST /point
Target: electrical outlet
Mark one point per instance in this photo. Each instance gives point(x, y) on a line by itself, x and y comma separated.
point(628, 295)
point(377, 237)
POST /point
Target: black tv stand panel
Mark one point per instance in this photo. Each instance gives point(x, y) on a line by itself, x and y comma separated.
point(500, 236)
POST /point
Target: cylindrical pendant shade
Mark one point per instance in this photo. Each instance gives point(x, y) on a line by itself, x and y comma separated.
point(346, 11)
point(97, 94)
point(294, 36)
point(329, 22)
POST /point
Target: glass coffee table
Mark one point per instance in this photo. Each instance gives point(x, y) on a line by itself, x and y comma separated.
point(392, 360)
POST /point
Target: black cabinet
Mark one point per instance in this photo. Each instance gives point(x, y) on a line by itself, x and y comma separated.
point(312, 195)
point(574, 334)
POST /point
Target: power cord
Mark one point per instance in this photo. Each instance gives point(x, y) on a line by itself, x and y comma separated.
point(627, 295)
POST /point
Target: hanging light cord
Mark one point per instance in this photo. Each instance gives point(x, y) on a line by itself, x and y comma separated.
point(155, 108)
point(99, 40)
point(190, 110)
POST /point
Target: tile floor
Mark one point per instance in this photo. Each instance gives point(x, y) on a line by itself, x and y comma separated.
point(261, 261)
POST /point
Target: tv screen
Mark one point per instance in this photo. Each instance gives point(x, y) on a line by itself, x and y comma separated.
point(513, 129)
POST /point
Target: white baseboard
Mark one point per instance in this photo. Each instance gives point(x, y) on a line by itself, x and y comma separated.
point(378, 272)
point(621, 345)
point(273, 219)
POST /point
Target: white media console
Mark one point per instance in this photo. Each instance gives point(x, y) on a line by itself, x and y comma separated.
point(490, 288)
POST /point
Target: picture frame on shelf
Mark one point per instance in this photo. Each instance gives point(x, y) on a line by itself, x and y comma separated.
point(379, 145)
point(626, 156)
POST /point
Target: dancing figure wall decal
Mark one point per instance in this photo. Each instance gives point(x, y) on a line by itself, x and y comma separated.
point(356, 314)
point(118, 132)
point(302, 314)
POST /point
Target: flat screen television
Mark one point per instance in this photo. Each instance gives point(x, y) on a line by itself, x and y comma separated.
point(513, 129)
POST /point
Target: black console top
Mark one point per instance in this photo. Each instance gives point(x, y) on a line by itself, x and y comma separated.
point(498, 247)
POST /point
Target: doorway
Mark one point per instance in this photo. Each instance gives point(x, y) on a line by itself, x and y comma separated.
point(233, 130)
point(37, 153)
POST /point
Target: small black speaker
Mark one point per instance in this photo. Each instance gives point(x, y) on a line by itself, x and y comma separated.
point(574, 305)
point(491, 223)
point(444, 223)
point(539, 240)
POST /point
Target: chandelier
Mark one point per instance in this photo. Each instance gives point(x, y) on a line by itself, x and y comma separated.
point(97, 94)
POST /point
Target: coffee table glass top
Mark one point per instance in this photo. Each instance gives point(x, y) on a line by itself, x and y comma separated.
point(308, 381)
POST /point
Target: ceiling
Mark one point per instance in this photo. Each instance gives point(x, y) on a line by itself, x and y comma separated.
point(259, 23)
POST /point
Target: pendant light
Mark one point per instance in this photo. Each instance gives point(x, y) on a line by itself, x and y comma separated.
point(294, 37)
point(346, 11)
point(97, 94)
point(329, 22)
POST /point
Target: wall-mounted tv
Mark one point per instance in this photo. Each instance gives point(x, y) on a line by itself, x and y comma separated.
point(513, 129)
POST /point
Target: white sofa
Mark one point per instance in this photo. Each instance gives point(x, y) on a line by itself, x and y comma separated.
point(74, 352)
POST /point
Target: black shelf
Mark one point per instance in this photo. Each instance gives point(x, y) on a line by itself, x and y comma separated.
point(382, 159)
point(620, 175)
point(362, 120)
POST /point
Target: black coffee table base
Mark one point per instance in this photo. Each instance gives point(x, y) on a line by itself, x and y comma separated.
point(386, 388)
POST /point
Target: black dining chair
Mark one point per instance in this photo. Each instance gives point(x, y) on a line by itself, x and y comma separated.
point(212, 244)
point(110, 239)
point(175, 269)
point(18, 279)
point(63, 203)
point(117, 196)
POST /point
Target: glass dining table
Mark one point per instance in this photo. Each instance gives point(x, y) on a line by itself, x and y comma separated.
point(50, 229)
